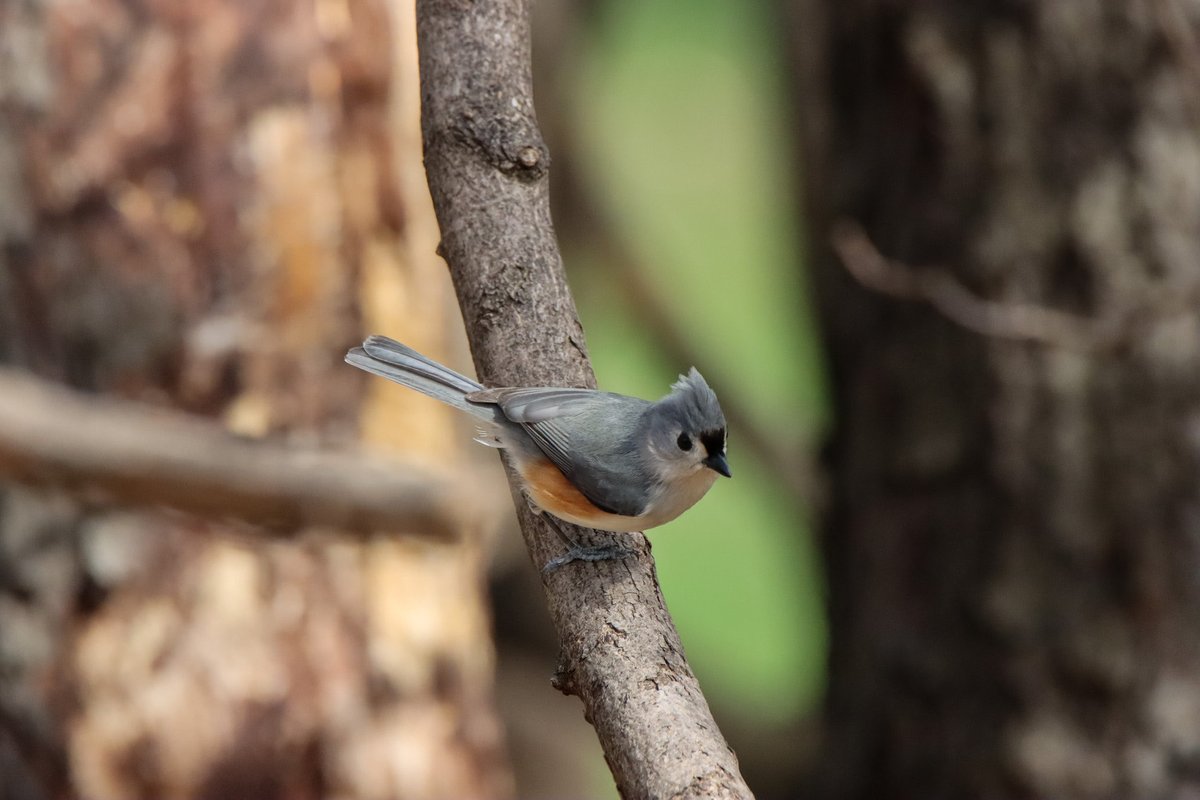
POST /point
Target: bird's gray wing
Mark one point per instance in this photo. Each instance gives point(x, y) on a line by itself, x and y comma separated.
point(543, 413)
point(568, 425)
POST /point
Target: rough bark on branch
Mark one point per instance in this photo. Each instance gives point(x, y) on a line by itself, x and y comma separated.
point(487, 168)
point(131, 454)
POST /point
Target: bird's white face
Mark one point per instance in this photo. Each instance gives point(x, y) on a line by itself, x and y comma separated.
point(681, 455)
point(676, 456)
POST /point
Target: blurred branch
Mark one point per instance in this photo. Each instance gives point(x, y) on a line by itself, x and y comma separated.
point(785, 460)
point(131, 454)
point(1017, 321)
point(956, 302)
point(487, 166)
point(1173, 20)
point(788, 461)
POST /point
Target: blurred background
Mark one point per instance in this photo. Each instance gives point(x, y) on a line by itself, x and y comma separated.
point(939, 261)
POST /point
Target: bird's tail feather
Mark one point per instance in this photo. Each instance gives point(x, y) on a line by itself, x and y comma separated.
point(390, 359)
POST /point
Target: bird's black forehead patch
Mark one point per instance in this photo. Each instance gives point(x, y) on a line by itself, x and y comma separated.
point(714, 441)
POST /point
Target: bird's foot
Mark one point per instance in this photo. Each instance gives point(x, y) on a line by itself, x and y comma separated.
point(607, 552)
point(578, 552)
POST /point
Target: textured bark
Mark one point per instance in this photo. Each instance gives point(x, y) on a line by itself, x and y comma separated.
point(201, 205)
point(1013, 542)
point(487, 166)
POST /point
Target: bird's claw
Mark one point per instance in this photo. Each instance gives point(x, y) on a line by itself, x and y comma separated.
point(610, 552)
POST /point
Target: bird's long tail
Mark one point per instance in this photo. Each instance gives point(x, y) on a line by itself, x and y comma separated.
point(397, 362)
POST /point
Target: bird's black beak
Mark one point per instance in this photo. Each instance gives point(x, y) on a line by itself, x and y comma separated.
point(717, 463)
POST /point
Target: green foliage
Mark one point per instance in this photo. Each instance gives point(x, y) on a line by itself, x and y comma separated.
point(678, 114)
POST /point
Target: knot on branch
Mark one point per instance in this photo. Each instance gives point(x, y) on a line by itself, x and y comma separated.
point(510, 143)
point(564, 677)
point(524, 157)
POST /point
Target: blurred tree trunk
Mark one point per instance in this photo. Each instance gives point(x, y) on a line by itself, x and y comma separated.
point(1014, 539)
point(202, 205)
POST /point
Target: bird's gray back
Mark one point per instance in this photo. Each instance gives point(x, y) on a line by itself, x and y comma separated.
point(595, 438)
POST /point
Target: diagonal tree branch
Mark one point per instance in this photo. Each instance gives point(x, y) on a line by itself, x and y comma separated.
point(487, 167)
point(129, 454)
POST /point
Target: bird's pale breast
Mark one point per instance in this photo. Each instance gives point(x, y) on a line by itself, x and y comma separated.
point(550, 489)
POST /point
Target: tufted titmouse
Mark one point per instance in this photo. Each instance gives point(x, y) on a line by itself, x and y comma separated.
point(596, 459)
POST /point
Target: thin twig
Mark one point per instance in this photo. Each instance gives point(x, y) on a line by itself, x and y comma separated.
point(1181, 38)
point(1114, 327)
point(788, 460)
point(785, 460)
point(125, 453)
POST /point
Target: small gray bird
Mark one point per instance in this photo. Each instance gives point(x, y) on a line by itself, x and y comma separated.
point(596, 459)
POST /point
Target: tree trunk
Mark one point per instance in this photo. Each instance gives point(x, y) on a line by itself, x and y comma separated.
point(1013, 539)
point(202, 205)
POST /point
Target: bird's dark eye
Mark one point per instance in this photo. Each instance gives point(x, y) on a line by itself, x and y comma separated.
point(684, 441)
